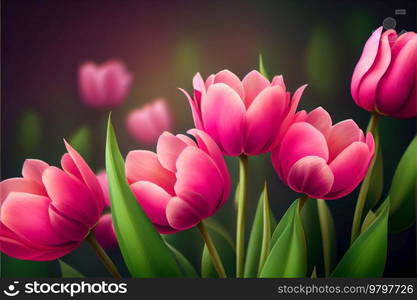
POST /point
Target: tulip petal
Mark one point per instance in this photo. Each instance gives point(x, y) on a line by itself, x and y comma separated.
point(320, 119)
point(140, 125)
point(168, 149)
point(22, 185)
point(278, 80)
point(399, 80)
point(27, 215)
point(206, 143)
point(70, 229)
point(144, 165)
point(231, 80)
point(195, 110)
point(302, 139)
point(253, 84)
point(104, 232)
point(264, 118)
point(199, 181)
point(115, 82)
point(153, 199)
point(223, 114)
point(70, 196)
point(312, 176)
point(88, 84)
point(368, 86)
point(102, 180)
point(369, 53)
point(349, 168)
point(33, 169)
point(160, 115)
point(68, 166)
point(14, 246)
point(342, 135)
point(88, 177)
point(409, 109)
point(181, 215)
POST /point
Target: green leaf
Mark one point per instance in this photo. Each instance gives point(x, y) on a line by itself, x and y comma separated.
point(262, 68)
point(29, 133)
point(288, 257)
point(328, 236)
point(367, 255)
point(403, 191)
point(255, 239)
point(143, 250)
point(266, 234)
point(376, 184)
point(314, 273)
point(69, 272)
point(81, 141)
point(285, 220)
point(187, 268)
point(370, 217)
point(225, 248)
point(13, 268)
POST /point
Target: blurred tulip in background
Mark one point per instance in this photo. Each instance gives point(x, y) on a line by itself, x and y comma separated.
point(104, 86)
point(146, 124)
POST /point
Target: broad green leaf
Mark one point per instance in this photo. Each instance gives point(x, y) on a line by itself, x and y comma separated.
point(367, 255)
point(29, 133)
point(262, 68)
point(69, 272)
point(266, 234)
point(370, 217)
point(13, 268)
point(288, 256)
point(255, 240)
point(282, 224)
point(224, 245)
point(144, 251)
point(376, 184)
point(328, 236)
point(403, 191)
point(187, 268)
point(81, 140)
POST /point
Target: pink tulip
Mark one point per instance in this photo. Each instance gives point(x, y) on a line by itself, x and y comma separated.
point(104, 232)
point(104, 86)
point(245, 116)
point(385, 77)
point(48, 212)
point(182, 183)
point(323, 160)
point(147, 123)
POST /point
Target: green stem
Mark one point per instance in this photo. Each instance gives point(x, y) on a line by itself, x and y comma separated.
point(241, 215)
point(215, 258)
point(363, 192)
point(102, 255)
point(303, 200)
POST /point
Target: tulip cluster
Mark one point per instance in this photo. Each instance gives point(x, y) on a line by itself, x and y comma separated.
point(187, 181)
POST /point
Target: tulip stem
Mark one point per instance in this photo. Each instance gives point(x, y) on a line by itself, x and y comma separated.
point(363, 192)
point(102, 255)
point(303, 200)
point(215, 258)
point(241, 215)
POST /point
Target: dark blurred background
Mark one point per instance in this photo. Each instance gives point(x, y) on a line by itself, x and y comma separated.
point(164, 43)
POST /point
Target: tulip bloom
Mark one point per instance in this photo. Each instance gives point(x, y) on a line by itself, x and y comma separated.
point(49, 211)
point(243, 117)
point(182, 183)
point(104, 86)
point(385, 76)
point(146, 124)
point(323, 160)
